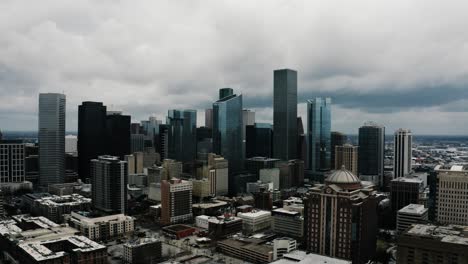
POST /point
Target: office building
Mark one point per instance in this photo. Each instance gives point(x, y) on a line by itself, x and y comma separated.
point(251, 250)
point(337, 139)
point(202, 189)
point(217, 173)
point(12, 161)
point(241, 180)
point(291, 173)
point(91, 135)
point(433, 244)
point(287, 222)
point(55, 207)
point(223, 226)
point(301, 142)
point(255, 164)
point(346, 155)
point(302, 257)
point(255, 221)
point(182, 134)
point(341, 218)
point(285, 114)
point(227, 132)
point(142, 251)
point(248, 119)
point(137, 143)
point(2, 210)
point(71, 144)
point(405, 191)
point(51, 138)
point(263, 198)
point(117, 134)
point(271, 175)
point(209, 118)
point(135, 163)
point(109, 180)
point(451, 185)
point(319, 134)
point(283, 245)
point(259, 140)
point(371, 153)
point(176, 201)
point(102, 228)
point(410, 215)
point(403, 142)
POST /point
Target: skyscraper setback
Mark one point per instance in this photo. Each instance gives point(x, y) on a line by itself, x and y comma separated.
point(51, 138)
point(285, 114)
point(319, 134)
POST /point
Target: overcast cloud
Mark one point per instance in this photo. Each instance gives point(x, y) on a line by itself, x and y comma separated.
point(400, 63)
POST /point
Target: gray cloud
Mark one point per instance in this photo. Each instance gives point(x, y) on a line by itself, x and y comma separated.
point(387, 61)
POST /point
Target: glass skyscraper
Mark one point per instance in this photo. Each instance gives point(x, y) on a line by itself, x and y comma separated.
point(117, 134)
point(319, 134)
point(51, 138)
point(285, 114)
point(371, 153)
point(182, 134)
point(227, 132)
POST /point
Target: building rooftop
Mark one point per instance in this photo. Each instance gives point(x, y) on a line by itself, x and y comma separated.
point(301, 257)
point(415, 209)
point(95, 220)
point(215, 203)
point(449, 234)
point(284, 211)
point(140, 242)
point(407, 179)
point(64, 200)
point(254, 214)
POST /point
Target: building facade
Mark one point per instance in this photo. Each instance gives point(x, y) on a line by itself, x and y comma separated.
point(117, 134)
point(371, 153)
point(403, 142)
point(410, 215)
point(176, 201)
point(259, 140)
point(337, 139)
point(12, 161)
point(346, 155)
point(319, 134)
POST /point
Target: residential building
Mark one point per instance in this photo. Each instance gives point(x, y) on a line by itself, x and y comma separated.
point(51, 138)
point(285, 114)
point(109, 180)
point(433, 244)
point(403, 143)
point(346, 155)
point(12, 161)
point(319, 134)
point(176, 201)
point(371, 153)
point(411, 214)
point(55, 207)
point(341, 218)
point(102, 228)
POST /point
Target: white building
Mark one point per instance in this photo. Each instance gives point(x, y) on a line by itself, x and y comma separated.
point(255, 221)
point(103, 228)
point(403, 143)
point(202, 221)
point(282, 246)
point(411, 214)
point(71, 144)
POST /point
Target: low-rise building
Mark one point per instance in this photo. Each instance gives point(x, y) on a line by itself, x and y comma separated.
point(283, 246)
point(102, 228)
point(178, 231)
point(255, 221)
point(302, 257)
point(54, 207)
point(201, 221)
point(287, 222)
point(223, 226)
point(248, 249)
point(411, 214)
point(142, 251)
point(210, 208)
point(433, 244)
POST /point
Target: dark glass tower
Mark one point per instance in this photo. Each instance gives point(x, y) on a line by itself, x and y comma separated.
point(227, 132)
point(337, 139)
point(117, 134)
point(318, 134)
point(182, 134)
point(285, 114)
point(371, 152)
point(51, 138)
point(91, 135)
point(259, 140)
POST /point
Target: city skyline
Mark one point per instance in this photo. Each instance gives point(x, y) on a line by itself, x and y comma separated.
point(399, 64)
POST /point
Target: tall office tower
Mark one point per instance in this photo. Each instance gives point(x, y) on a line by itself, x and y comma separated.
point(451, 194)
point(182, 134)
point(259, 140)
point(225, 92)
point(150, 127)
point(301, 142)
point(209, 118)
point(109, 177)
point(404, 191)
point(337, 139)
point(402, 153)
point(91, 135)
point(162, 141)
point(117, 134)
point(371, 153)
point(291, 173)
point(51, 138)
point(318, 134)
point(341, 218)
point(255, 164)
point(347, 156)
point(12, 161)
point(137, 143)
point(176, 201)
point(227, 131)
point(248, 119)
point(285, 114)
point(71, 144)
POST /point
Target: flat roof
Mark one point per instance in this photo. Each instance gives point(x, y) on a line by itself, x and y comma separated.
point(301, 257)
point(449, 234)
point(416, 209)
point(253, 214)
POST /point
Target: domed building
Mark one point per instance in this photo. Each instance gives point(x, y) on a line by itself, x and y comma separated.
point(341, 218)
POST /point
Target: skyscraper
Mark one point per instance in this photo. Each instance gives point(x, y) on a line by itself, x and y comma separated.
point(12, 161)
point(176, 201)
point(319, 134)
point(285, 114)
point(91, 135)
point(227, 132)
point(402, 153)
point(51, 138)
point(259, 140)
point(209, 118)
point(182, 134)
point(117, 134)
point(337, 139)
point(371, 153)
point(347, 156)
point(109, 180)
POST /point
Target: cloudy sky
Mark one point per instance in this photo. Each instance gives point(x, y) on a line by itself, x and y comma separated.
point(400, 63)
